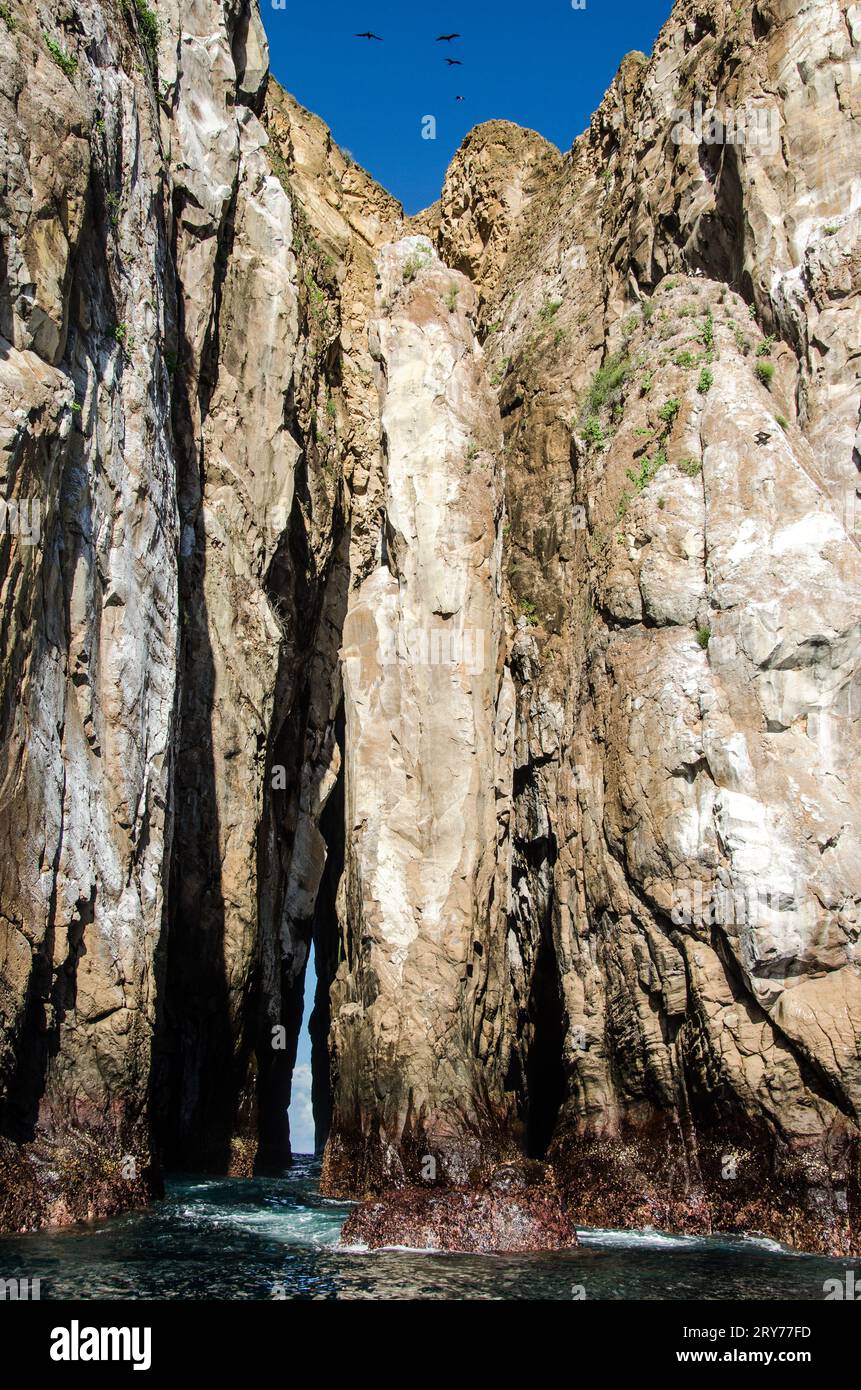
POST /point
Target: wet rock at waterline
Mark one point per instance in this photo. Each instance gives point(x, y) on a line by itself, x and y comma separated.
point(514, 1213)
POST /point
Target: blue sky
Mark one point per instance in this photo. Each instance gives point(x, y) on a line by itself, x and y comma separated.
point(543, 64)
point(301, 1114)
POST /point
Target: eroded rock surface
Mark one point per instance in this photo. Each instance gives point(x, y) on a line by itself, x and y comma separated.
point(687, 664)
point(476, 597)
point(90, 605)
point(418, 1005)
point(516, 1213)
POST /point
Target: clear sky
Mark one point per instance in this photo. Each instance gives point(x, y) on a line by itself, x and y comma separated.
point(540, 63)
point(301, 1113)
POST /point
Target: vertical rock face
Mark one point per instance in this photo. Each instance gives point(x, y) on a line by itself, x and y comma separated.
point(478, 599)
point(151, 327)
point(687, 666)
point(418, 1001)
point(90, 603)
point(240, 461)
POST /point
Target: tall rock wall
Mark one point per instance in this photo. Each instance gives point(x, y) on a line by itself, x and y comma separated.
point(151, 330)
point(89, 675)
point(686, 823)
point(418, 1003)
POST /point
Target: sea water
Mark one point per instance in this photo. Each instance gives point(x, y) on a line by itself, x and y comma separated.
point(277, 1238)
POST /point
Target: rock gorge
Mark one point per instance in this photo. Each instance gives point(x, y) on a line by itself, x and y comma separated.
point(475, 595)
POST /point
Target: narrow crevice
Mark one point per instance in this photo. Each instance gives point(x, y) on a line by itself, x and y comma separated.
point(544, 1075)
point(536, 1067)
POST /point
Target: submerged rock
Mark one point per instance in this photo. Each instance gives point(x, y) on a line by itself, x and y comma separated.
point(510, 1215)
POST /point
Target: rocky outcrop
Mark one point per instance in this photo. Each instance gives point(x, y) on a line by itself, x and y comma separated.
point(518, 1212)
point(90, 599)
point(151, 328)
point(418, 1003)
point(240, 339)
point(491, 183)
point(685, 913)
point(476, 598)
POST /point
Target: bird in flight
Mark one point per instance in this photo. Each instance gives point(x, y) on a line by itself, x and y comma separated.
point(460, 98)
point(453, 62)
point(447, 38)
point(368, 35)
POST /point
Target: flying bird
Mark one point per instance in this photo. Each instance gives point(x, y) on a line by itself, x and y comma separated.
point(762, 437)
point(368, 35)
point(453, 62)
point(447, 38)
point(460, 98)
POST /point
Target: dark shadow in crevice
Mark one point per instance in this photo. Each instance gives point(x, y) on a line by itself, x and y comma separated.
point(545, 1078)
point(310, 601)
point(197, 1070)
point(536, 1067)
point(199, 1064)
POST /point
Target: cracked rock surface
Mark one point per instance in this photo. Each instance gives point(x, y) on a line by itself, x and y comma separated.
point(476, 597)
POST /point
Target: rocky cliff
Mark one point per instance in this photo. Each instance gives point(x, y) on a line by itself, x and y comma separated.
point(476, 597)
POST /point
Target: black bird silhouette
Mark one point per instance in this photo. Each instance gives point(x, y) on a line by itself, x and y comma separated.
point(447, 38)
point(762, 436)
point(368, 35)
point(453, 62)
point(460, 98)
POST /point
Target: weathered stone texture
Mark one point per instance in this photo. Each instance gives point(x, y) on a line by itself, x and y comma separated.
point(476, 596)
